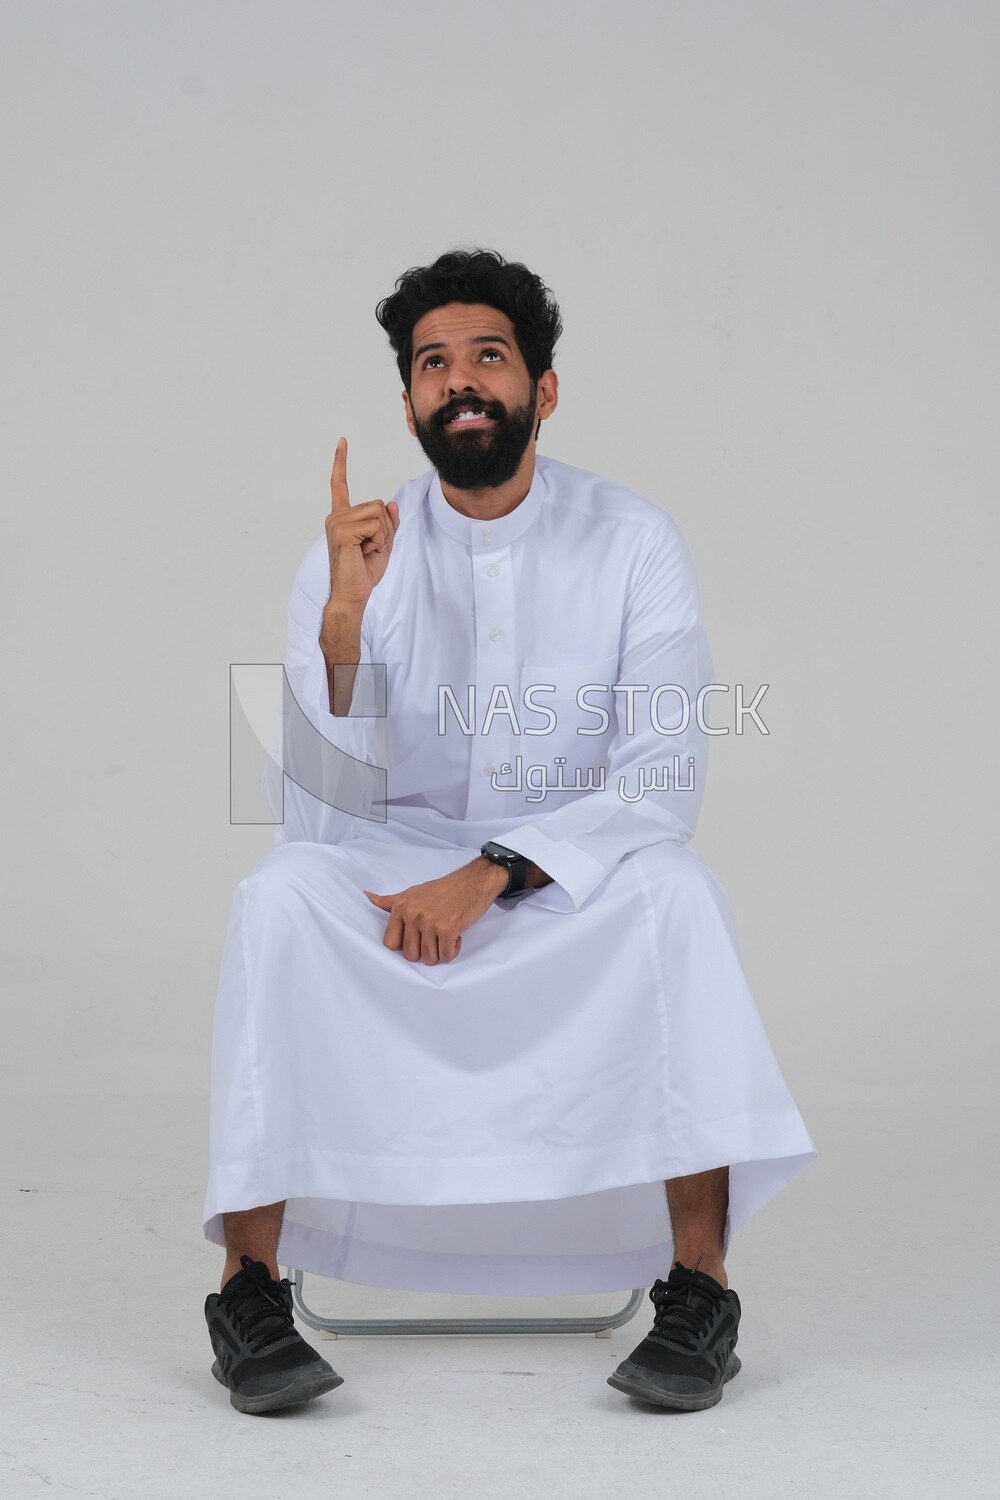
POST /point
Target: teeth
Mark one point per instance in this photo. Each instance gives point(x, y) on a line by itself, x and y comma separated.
point(465, 416)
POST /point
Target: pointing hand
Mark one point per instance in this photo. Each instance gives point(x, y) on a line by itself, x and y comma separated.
point(359, 538)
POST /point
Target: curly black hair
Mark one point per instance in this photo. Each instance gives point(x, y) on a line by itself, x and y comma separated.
point(474, 276)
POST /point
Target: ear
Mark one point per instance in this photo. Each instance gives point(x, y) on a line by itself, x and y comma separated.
point(409, 413)
point(548, 393)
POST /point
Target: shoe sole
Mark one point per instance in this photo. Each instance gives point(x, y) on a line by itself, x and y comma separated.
point(300, 1390)
point(645, 1390)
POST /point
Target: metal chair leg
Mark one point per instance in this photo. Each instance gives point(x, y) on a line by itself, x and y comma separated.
point(600, 1326)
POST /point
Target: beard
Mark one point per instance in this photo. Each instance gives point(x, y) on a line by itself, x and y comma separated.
point(481, 458)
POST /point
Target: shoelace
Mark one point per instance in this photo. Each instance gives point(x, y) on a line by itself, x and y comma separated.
point(259, 1313)
point(683, 1307)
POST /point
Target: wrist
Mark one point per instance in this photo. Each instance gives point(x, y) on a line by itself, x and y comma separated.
point(494, 875)
point(339, 617)
point(343, 613)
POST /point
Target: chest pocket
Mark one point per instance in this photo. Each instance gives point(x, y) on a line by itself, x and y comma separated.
point(557, 681)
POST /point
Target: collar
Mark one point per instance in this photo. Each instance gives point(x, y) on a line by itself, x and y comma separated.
point(484, 536)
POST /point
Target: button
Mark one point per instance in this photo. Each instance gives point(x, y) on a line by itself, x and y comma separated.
point(493, 570)
point(487, 535)
point(488, 770)
point(494, 635)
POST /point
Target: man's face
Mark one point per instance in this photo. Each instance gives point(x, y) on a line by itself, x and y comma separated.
point(466, 359)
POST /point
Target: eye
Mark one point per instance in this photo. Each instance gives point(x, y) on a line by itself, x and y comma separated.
point(426, 363)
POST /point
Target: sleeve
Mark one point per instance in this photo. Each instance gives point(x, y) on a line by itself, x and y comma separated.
point(663, 642)
point(323, 773)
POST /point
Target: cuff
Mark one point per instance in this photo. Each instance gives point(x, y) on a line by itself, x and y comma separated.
point(577, 873)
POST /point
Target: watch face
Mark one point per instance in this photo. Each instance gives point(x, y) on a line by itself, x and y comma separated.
point(515, 864)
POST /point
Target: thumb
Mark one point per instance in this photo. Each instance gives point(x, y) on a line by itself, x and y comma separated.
point(393, 509)
point(385, 902)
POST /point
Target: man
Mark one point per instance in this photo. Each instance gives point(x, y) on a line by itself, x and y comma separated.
point(482, 1026)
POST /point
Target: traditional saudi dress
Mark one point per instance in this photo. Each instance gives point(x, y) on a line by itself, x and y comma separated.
point(503, 1122)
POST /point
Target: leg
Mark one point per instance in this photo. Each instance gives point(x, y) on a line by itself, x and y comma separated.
point(253, 1232)
point(698, 1206)
point(260, 1357)
point(690, 1352)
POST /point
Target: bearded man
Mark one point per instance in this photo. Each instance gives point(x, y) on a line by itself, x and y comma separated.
point(482, 1026)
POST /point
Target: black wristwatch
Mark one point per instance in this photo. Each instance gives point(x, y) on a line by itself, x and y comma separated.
point(515, 864)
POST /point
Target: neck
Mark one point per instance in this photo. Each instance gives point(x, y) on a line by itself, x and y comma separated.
point(490, 504)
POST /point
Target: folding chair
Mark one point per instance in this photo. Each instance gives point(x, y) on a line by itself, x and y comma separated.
point(601, 1326)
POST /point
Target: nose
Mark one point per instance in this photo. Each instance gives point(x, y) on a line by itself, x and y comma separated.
point(462, 377)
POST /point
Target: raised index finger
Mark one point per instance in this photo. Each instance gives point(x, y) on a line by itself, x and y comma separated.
point(338, 479)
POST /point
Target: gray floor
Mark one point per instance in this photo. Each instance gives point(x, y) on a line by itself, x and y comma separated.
point(867, 1339)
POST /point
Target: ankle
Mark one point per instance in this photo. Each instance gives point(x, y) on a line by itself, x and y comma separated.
point(711, 1267)
point(233, 1265)
point(247, 1232)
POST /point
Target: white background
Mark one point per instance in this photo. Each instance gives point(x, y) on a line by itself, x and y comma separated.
point(772, 232)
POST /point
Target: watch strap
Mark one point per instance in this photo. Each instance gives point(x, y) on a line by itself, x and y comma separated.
point(515, 864)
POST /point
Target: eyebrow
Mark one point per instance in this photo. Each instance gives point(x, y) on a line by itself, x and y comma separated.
point(482, 338)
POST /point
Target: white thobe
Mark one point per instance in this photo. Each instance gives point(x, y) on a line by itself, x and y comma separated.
point(504, 1122)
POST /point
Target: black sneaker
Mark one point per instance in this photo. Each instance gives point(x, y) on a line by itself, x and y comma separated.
point(258, 1354)
point(689, 1354)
